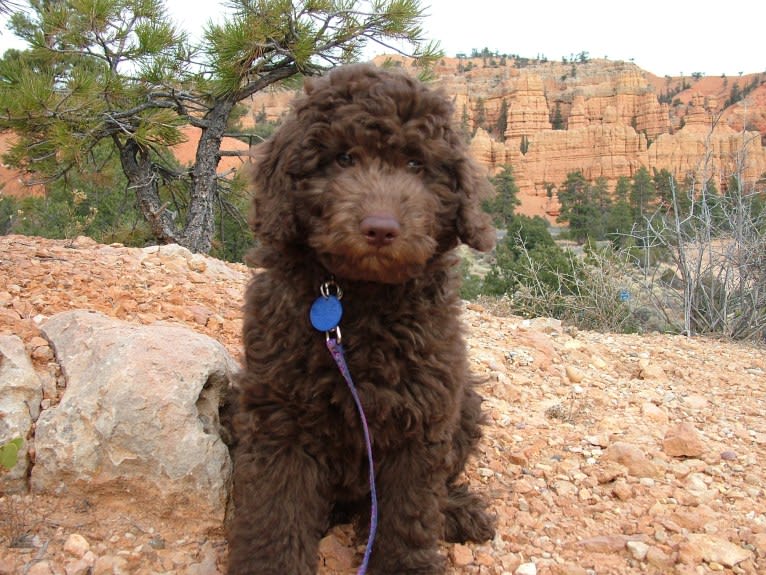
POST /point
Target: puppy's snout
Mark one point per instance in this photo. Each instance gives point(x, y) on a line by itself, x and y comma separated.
point(380, 230)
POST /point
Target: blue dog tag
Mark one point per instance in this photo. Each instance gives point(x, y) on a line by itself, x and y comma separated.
point(325, 313)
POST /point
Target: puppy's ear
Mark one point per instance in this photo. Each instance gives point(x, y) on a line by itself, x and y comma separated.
point(474, 225)
point(272, 218)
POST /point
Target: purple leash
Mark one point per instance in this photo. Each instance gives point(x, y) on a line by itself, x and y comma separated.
point(325, 316)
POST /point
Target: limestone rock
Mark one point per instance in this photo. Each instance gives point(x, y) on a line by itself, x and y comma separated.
point(76, 545)
point(634, 460)
point(654, 413)
point(139, 416)
point(41, 568)
point(683, 440)
point(335, 554)
point(20, 395)
point(638, 549)
point(650, 371)
point(461, 555)
point(703, 547)
point(526, 569)
point(574, 374)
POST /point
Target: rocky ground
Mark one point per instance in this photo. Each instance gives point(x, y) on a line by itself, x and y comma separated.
point(605, 453)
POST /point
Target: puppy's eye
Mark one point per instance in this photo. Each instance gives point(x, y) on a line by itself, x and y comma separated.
point(345, 160)
point(415, 166)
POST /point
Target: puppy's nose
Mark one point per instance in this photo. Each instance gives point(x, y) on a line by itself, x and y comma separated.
point(380, 231)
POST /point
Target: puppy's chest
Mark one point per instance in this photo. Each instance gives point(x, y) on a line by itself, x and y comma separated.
point(408, 381)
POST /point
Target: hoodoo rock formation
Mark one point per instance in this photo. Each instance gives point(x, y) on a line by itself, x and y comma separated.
point(603, 118)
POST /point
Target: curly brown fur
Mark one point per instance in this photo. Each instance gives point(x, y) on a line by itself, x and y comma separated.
point(367, 182)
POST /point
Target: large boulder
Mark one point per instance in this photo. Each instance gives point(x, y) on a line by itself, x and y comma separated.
point(20, 395)
point(138, 423)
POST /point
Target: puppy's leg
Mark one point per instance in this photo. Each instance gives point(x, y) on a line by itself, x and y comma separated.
point(466, 518)
point(281, 509)
point(410, 488)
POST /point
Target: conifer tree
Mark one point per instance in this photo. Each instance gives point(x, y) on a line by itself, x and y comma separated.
point(642, 194)
point(620, 219)
point(120, 71)
point(502, 120)
point(479, 115)
point(503, 205)
point(577, 207)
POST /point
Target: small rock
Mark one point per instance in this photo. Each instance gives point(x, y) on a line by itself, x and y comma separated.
point(728, 455)
point(200, 314)
point(601, 440)
point(76, 545)
point(519, 458)
point(622, 490)
point(334, 554)
point(5, 299)
point(654, 413)
point(695, 482)
point(40, 349)
point(711, 549)
point(110, 565)
point(570, 569)
point(604, 543)
point(759, 542)
point(683, 440)
point(510, 562)
point(574, 374)
point(608, 471)
point(695, 402)
point(461, 555)
point(526, 569)
point(197, 263)
point(564, 488)
point(638, 549)
point(485, 559)
point(40, 568)
point(659, 559)
point(650, 371)
point(637, 464)
point(80, 566)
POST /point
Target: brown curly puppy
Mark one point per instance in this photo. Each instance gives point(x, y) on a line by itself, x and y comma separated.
point(368, 183)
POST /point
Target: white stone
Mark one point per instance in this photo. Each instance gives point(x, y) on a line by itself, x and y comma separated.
point(526, 569)
point(139, 415)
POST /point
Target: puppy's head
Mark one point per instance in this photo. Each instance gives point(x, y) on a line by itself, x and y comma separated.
point(369, 174)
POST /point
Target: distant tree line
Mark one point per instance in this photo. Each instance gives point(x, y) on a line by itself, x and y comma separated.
point(494, 59)
point(692, 256)
point(738, 94)
point(592, 213)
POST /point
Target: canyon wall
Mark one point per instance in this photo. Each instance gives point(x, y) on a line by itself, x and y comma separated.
point(610, 122)
point(603, 118)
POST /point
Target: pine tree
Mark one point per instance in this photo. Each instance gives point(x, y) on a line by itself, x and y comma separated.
point(642, 194)
point(619, 222)
point(557, 121)
point(503, 205)
point(501, 125)
point(118, 71)
point(578, 209)
point(479, 115)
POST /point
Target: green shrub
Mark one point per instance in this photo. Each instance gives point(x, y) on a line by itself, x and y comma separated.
point(9, 453)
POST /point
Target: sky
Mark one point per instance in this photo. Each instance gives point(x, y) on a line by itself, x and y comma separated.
point(664, 37)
